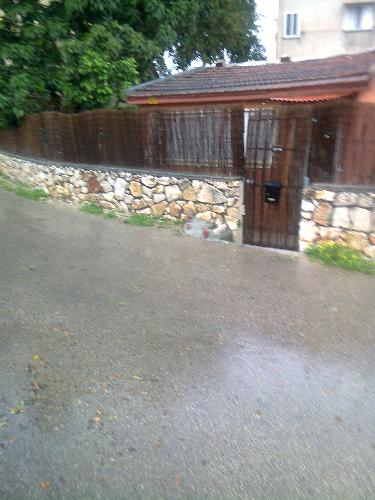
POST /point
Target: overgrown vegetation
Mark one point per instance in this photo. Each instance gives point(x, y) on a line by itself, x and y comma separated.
point(74, 55)
point(152, 220)
point(22, 189)
point(334, 254)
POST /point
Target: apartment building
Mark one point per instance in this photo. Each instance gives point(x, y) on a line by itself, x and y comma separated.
point(319, 28)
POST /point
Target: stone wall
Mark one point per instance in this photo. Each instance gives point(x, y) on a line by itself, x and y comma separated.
point(212, 200)
point(345, 217)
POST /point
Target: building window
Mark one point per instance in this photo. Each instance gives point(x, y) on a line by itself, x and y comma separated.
point(291, 25)
point(358, 17)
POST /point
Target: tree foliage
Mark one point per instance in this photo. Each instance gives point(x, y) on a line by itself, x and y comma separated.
point(79, 54)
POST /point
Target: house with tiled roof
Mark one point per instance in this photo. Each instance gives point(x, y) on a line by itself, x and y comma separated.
point(349, 76)
point(303, 123)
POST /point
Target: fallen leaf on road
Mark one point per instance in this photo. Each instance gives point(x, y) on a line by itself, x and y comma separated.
point(136, 377)
point(3, 424)
point(31, 368)
point(178, 480)
point(97, 418)
point(44, 485)
point(37, 358)
point(35, 386)
point(17, 409)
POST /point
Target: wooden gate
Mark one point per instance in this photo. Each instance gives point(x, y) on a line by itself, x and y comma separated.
point(275, 145)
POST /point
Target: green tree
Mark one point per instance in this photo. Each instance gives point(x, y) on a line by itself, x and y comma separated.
point(209, 30)
point(80, 54)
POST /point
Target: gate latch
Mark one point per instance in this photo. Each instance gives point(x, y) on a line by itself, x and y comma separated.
point(272, 191)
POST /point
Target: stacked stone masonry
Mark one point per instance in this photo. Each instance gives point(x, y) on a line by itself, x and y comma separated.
point(343, 217)
point(214, 201)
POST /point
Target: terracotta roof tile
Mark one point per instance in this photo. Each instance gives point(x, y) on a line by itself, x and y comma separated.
point(236, 78)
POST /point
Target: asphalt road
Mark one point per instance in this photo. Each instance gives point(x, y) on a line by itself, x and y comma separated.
point(142, 363)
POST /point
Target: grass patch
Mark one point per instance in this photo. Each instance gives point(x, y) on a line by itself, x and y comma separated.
point(110, 215)
point(6, 185)
point(334, 254)
point(21, 189)
point(92, 208)
point(152, 220)
point(31, 194)
point(135, 219)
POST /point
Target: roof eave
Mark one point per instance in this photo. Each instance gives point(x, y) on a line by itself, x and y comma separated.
point(350, 85)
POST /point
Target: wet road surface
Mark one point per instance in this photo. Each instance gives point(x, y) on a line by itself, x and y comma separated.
point(141, 363)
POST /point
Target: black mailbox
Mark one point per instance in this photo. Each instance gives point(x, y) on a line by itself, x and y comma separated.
point(272, 191)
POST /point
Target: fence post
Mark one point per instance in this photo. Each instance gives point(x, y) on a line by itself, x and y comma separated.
point(45, 139)
point(237, 141)
point(163, 157)
point(143, 121)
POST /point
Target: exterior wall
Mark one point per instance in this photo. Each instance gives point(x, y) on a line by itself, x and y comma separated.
point(321, 30)
point(213, 200)
point(345, 217)
point(368, 95)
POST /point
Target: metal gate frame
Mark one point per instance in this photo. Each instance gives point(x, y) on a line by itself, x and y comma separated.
point(275, 148)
